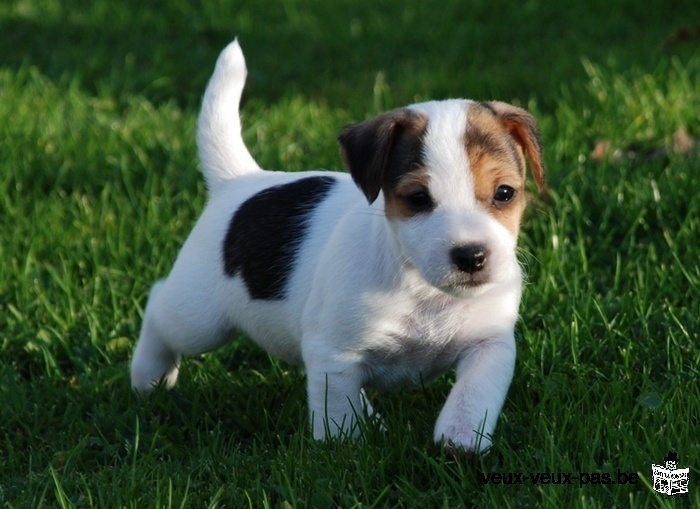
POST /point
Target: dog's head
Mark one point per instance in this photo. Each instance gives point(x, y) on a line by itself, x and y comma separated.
point(452, 177)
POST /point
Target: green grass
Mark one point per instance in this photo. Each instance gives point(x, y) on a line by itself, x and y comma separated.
point(99, 187)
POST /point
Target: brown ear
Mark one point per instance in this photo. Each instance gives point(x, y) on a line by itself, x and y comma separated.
point(366, 148)
point(522, 126)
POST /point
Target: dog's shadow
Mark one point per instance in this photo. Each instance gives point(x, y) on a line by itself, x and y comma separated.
point(244, 393)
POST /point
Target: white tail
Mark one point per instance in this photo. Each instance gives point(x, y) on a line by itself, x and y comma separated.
point(222, 153)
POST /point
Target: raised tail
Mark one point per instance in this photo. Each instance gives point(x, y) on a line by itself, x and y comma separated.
point(222, 153)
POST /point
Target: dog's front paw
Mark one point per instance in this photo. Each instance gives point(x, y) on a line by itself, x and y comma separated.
point(460, 435)
point(469, 417)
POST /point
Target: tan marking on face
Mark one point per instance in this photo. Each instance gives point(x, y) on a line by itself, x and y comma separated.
point(496, 159)
point(523, 128)
point(395, 204)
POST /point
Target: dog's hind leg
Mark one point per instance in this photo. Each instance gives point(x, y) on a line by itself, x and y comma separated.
point(154, 362)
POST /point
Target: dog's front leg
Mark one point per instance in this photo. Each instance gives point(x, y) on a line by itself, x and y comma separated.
point(334, 394)
point(471, 411)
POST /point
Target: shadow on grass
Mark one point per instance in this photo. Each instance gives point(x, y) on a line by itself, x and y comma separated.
point(166, 51)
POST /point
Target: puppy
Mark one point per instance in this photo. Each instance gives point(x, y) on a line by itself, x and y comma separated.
point(386, 277)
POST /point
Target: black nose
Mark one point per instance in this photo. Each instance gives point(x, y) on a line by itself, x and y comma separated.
point(470, 259)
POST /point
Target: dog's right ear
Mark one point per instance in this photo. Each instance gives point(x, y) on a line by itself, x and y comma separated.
point(366, 148)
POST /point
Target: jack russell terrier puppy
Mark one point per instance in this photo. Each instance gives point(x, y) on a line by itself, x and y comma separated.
point(384, 277)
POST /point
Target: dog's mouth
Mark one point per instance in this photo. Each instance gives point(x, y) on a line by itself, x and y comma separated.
point(467, 286)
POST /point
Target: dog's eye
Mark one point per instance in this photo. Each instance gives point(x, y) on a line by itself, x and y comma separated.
point(419, 201)
point(503, 194)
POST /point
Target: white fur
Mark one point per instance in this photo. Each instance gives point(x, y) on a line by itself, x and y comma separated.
point(221, 149)
point(371, 302)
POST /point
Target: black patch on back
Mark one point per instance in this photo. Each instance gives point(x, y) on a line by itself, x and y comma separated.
point(265, 233)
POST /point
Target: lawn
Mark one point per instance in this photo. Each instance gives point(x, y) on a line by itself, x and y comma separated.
point(99, 188)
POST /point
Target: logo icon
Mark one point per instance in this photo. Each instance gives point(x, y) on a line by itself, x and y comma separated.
point(669, 480)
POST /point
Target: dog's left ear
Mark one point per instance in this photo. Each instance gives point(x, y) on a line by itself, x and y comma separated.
point(522, 126)
point(367, 147)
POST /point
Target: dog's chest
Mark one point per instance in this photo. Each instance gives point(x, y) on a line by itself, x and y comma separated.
point(413, 348)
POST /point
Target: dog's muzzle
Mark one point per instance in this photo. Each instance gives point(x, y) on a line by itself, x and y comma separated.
point(471, 274)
